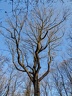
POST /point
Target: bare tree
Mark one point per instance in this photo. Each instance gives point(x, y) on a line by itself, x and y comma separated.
point(67, 84)
point(3, 78)
point(28, 88)
point(46, 87)
point(33, 40)
point(62, 79)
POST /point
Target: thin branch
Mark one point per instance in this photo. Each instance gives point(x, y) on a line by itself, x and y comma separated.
point(18, 68)
point(52, 28)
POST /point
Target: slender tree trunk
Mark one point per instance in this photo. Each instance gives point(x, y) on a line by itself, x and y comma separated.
point(28, 89)
point(36, 86)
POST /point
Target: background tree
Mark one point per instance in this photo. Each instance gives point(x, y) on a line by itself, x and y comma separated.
point(62, 79)
point(33, 40)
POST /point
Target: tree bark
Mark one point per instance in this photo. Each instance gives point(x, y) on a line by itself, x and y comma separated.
point(36, 86)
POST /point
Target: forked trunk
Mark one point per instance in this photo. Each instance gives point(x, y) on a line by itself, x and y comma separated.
point(36, 87)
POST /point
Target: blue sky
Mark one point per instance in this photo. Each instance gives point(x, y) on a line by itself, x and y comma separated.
point(59, 6)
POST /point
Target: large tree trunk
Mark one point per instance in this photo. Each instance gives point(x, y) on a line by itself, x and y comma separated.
point(36, 87)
